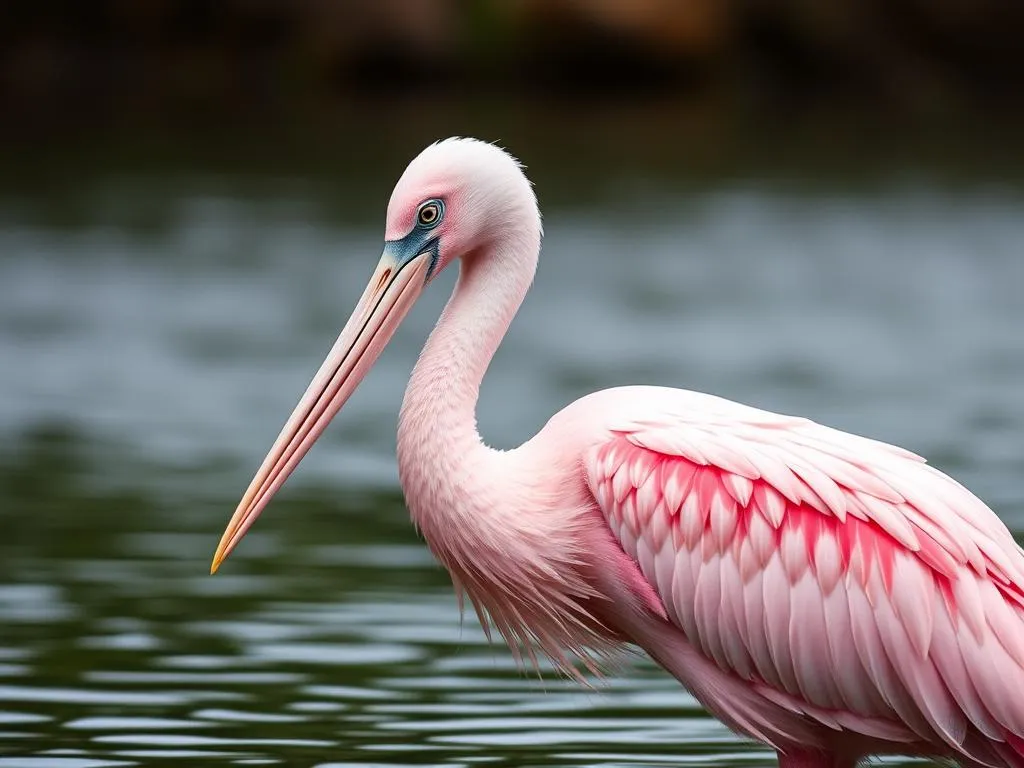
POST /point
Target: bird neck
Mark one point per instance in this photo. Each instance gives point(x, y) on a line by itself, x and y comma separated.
point(487, 515)
point(437, 426)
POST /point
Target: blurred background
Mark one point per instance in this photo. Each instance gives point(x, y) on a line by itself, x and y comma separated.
point(811, 207)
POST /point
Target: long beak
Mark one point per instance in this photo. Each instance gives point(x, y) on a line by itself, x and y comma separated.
point(392, 290)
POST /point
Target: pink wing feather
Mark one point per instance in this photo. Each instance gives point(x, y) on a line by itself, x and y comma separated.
point(842, 578)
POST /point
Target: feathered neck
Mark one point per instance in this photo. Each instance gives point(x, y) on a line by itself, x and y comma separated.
point(445, 384)
point(491, 517)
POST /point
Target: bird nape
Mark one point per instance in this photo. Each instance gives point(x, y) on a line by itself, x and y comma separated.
point(828, 595)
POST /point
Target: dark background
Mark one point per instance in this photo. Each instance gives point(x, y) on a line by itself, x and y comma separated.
point(291, 84)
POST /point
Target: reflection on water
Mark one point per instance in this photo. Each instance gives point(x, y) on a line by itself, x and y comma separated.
point(145, 373)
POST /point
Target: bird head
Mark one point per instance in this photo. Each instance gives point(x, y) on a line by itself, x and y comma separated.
point(455, 199)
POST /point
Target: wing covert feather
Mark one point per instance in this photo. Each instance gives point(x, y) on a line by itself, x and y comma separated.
point(842, 577)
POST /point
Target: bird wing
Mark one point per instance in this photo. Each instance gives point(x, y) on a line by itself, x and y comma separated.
point(844, 578)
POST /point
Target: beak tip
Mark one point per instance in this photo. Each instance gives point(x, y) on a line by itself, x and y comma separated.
point(218, 558)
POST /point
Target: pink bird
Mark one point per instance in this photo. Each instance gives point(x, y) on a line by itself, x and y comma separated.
point(828, 595)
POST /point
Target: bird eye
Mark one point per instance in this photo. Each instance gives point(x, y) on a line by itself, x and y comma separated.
point(430, 213)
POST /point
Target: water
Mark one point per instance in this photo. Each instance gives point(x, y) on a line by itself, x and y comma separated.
point(151, 347)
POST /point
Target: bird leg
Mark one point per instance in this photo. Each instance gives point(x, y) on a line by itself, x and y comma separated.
point(806, 758)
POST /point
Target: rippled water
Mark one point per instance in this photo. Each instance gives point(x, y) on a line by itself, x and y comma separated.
point(144, 372)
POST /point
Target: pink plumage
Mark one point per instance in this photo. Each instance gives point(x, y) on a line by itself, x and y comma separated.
point(842, 579)
point(829, 595)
